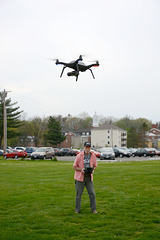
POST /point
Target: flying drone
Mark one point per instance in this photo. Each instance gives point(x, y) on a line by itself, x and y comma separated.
point(78, 66)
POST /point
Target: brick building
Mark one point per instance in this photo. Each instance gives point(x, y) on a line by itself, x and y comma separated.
point(154, 136)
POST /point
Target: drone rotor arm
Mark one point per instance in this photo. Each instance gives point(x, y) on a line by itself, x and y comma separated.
point(77, 68)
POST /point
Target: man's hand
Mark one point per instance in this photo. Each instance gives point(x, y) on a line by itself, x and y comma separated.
point(83, 170)
point(79, 169)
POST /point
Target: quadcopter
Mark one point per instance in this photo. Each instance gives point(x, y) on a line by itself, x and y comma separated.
point(78, 66)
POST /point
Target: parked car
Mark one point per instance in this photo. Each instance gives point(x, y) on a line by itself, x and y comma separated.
point(157, 152)
point(132, 150)
point(126, 150)
point(66, 152)
point(57, 151)
point(107, 153)
point(121, 152)
point(20, 148)
point(1, 152)
point(75, 151)
point(9, 148)
point(14, 154)
point(79, 151)
point(144, 152)
point(43, 153)
point(96, 153)
point(30, 150)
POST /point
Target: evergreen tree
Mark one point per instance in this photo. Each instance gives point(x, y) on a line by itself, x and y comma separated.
point(54, 135)
point(142, 135)
point(13, 117)
point(132, 138)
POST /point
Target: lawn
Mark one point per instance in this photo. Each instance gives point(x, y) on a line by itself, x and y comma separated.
point(38, 199)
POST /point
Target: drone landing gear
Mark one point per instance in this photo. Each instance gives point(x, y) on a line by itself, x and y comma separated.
point(91, 73)
point(62, 71)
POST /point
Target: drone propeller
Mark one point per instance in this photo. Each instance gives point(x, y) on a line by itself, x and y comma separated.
point(54, 59)
point(94, 61)
point(80, 57)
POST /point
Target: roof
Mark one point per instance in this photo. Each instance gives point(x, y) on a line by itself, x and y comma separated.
point(108, 126)
point(151, 134)
point(75, 131)
point(155, 131)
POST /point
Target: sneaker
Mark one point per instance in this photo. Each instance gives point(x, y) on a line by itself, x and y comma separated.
point(94, 212)
point(76, 212)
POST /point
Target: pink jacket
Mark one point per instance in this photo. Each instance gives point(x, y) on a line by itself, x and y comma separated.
point(79, 162)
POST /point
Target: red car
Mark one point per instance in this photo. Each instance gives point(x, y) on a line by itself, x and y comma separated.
point(14, 154)
point(76, 151)
point(157, 152)
point(96, 153)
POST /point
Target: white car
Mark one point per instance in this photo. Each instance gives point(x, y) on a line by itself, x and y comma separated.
point(20, 149)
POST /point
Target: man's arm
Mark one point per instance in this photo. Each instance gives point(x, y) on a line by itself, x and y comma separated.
point(95, 164)
point(75, 166)
point(79, 169)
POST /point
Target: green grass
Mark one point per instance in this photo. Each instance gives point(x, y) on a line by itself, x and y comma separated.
point(37, 201)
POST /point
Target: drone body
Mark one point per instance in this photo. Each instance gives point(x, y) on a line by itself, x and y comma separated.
point(77, 66)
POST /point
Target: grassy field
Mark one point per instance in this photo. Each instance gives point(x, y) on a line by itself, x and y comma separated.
point(38, 199)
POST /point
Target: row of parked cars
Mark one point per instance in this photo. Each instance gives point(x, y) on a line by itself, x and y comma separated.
point(112, 153)
point(31, 152)
point(106, 153)
point(37, 153)
point(102, 153)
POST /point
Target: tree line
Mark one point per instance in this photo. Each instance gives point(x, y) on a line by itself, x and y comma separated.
point(51, 130)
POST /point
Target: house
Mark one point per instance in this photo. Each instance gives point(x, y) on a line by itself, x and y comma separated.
point(154, 137)
point(108, 135)
point(76, 138)
point(80, 137)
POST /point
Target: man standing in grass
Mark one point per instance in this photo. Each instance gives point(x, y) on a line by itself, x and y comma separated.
point(84, 166)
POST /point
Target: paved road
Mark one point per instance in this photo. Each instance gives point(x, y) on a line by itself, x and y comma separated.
point(68, 158)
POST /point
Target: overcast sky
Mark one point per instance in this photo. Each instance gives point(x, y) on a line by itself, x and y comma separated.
point(124, 35)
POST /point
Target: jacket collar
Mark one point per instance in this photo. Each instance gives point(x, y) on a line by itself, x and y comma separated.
point(83, 153)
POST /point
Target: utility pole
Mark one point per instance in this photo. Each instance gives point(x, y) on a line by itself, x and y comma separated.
point(4, 122)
